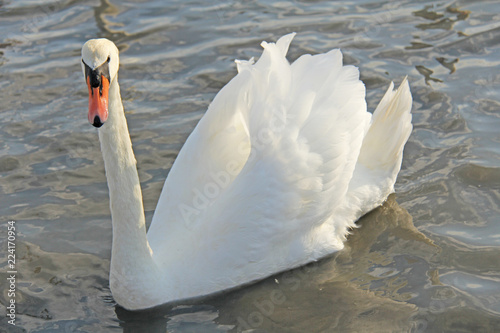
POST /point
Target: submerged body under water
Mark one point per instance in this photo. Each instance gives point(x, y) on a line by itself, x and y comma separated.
point(427, 259)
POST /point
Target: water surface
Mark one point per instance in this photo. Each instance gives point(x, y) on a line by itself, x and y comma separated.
point(427, 261)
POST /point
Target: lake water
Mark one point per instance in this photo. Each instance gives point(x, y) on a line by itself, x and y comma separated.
point(427, 261)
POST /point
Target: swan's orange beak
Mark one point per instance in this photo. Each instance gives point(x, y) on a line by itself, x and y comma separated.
point(98, 102)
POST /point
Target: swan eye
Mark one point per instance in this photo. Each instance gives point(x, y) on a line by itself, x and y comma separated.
point(109, 58)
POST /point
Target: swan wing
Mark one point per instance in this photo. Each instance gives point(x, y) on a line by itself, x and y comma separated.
point(257, 185)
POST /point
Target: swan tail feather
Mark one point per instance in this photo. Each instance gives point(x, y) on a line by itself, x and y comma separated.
point(381, 153)
point(391, 126)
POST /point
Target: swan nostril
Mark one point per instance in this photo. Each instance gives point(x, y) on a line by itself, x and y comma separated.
point(97, 122)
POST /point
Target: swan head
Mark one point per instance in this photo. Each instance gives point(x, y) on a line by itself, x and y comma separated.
point(100, 67)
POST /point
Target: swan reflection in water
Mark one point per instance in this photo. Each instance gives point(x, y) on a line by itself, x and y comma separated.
point(356, 289)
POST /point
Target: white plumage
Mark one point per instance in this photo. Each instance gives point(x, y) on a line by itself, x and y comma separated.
point(281, 165)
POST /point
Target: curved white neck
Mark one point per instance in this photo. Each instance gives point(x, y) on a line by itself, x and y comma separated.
point(131, 255)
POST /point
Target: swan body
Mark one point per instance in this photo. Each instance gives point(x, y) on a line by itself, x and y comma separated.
point(281, 165)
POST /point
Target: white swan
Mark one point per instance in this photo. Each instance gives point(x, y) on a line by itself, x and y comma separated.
point(281, 165)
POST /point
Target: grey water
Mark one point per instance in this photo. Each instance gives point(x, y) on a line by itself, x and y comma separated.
point(428, 260)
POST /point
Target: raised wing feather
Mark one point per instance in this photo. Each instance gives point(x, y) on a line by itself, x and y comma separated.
point(265, 170)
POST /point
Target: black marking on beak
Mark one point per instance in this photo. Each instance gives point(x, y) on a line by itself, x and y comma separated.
point(97, 122)
point(95, 75)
